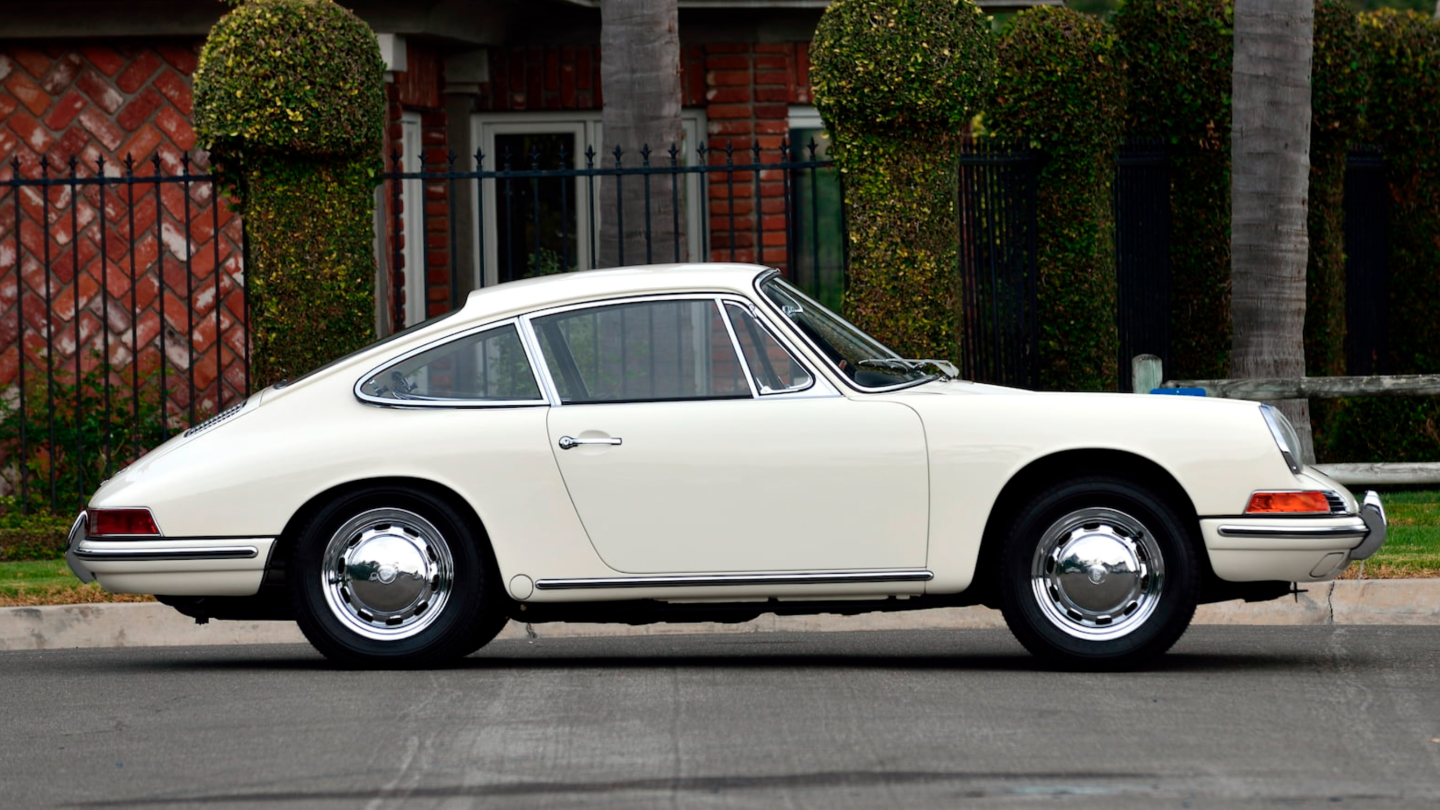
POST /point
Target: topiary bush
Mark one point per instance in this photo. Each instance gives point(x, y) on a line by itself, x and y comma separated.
point(896, 82)
point(1404, 119)
point(290, 101)
point(1060, 88)
point(1178, 56)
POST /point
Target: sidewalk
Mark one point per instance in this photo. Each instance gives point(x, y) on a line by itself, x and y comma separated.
point(1349, 602)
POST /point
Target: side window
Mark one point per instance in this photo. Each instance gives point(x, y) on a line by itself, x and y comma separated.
point(775, 370)
point(489, 365)
point(640, 352)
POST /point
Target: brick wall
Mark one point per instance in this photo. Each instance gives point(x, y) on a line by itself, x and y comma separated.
point(173, 248)
point(417, 89)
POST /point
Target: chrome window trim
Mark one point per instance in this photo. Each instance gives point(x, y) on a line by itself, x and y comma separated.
point(711, 580)
point(739, 351)
point(716, 300)
point(530, 358)
point(818, 387)
point(815, 352)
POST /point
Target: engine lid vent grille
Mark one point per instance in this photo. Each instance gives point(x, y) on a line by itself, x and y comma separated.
point(216, 419)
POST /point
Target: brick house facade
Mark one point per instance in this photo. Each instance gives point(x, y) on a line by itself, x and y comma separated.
point(92, 80)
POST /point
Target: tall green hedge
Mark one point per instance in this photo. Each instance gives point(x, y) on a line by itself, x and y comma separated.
point(1178, 56)
point(290, 101)
point(1403, 52)
point(897, 81)
point(1339, 85)
point(1059, 87)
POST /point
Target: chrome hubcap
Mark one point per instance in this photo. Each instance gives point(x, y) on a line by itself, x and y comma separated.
point(1097, 574)
point(387, 574)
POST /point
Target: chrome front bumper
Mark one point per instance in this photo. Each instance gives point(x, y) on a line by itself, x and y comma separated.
point(1368, 529)
point(1373, 513)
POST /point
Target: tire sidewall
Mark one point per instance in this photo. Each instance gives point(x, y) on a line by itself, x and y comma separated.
point(1178, 597)
point(447, 638)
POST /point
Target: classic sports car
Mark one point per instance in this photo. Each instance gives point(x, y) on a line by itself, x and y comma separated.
point(706, 443)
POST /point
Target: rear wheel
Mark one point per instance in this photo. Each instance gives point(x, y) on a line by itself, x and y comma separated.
point(1098, 573)
point(390, 577)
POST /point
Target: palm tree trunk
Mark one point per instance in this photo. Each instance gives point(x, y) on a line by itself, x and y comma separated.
point(640, 77)
point(1270, 154)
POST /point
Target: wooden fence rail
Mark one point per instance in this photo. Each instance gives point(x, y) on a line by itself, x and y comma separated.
point(1148, 374)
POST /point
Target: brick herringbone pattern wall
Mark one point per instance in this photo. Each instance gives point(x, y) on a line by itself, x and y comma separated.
point(130, 269)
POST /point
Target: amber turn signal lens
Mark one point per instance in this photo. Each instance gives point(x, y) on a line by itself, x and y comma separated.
point(1263, 503)
point(121, 521)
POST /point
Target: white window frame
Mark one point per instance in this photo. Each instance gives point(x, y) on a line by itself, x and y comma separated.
point(412, 203)
point(586, 126)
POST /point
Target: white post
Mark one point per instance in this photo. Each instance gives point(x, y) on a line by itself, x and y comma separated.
point(1146, 373)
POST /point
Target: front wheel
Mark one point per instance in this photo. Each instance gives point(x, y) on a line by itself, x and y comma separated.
point(389, 578)
point(1098, 573)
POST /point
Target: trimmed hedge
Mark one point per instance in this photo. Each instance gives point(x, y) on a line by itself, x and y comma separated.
point(1402, 50)
point(1178, 56)
point(1339, 86)
point(290, 100)
point(296, 77)
point(896, 81)
point(1060, 87)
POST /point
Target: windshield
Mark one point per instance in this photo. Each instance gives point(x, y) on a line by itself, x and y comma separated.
point(861, 358)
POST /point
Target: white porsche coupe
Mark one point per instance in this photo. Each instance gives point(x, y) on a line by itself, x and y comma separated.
point(706, 443)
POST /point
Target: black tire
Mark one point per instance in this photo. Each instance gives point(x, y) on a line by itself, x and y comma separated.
point(1098, 573)
point(390, 577)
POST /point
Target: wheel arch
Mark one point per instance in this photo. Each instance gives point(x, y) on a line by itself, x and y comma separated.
point(436, 490)
point(1058, 467)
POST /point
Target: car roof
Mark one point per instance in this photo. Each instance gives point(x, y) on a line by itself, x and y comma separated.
point(584, 285)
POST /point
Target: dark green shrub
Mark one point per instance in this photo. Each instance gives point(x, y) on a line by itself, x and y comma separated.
point(897, 81)
point(1403, 117)
point(1178, 57)
point(1339, 84)
point(290, 100)
point(1059, 87)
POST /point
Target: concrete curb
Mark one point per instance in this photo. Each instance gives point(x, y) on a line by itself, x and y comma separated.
point(1348, 602)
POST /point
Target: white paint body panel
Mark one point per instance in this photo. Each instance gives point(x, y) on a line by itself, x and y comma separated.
point(749, 485)
point(871, 481)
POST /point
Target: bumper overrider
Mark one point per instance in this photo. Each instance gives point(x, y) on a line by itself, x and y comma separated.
point(197, 566)
point(1296, 549)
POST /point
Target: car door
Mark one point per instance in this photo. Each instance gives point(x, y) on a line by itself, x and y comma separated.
point(679, 459)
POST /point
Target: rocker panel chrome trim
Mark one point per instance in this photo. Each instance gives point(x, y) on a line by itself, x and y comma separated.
point(707, 580)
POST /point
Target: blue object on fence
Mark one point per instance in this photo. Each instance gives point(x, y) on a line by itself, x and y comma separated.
point(1180, 392)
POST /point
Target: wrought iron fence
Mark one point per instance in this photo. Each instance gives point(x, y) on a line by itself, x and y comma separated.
point(544, 212)
point(1142, 252)
point(122, 318)
point(1367, 278)
point(999, 267)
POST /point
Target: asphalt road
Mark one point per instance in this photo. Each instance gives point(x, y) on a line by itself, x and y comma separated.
point(1235, 716)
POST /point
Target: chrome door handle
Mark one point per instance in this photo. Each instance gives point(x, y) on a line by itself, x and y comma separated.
point(569, 442)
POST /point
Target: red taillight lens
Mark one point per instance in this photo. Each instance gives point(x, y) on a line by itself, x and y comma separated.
point(1267, 503)
point(121, 521)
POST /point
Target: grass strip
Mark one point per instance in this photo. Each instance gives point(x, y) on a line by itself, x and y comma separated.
point(50, 582)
